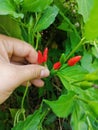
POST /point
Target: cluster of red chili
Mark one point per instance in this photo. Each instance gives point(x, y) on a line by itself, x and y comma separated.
point(42, 58)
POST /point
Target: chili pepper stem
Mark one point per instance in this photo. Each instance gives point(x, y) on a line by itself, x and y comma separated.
point(72, 52)
point(52, 72)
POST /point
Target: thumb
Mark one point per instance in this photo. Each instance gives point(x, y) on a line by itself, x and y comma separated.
point(28, 72)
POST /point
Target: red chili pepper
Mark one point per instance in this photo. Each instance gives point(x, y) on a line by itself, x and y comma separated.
point(57, 65)
point(74, 60)
point(45, 54)
point(40, 57)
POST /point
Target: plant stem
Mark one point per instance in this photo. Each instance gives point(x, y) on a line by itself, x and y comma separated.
point(16, 115)
point(21, 110)
point(67, 20)
point(72, 52)
point(23, 99)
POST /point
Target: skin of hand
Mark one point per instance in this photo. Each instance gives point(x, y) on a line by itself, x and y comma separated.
point(18, 64)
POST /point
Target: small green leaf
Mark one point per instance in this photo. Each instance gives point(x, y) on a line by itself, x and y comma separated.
point(91, 26)
point(62, 58)
point(63, 106)
point(36, 5)
point(47, 18)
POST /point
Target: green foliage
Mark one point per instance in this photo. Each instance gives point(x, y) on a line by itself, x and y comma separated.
point(69, 98)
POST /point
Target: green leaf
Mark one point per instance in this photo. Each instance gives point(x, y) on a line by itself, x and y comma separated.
point(91, 26)
point(65, 27)
point(33, 122)
point(84, 8)
point(63, 106)
point(36, 5)
point(7, 8)
point(13, 112)
point(69, 75)
point(47, 18)
point(10, 27)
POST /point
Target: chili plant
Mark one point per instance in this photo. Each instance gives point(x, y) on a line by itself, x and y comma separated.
point(69, 29)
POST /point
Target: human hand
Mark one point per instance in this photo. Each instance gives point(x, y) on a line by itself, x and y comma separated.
point(14, 70)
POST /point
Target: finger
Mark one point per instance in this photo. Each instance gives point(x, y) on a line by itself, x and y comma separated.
point(38, 82)
point(29, 72)
point(19, 60)
point(35, 82)
point(19, 48)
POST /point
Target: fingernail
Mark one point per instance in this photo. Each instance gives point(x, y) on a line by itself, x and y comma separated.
point(44, 72)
